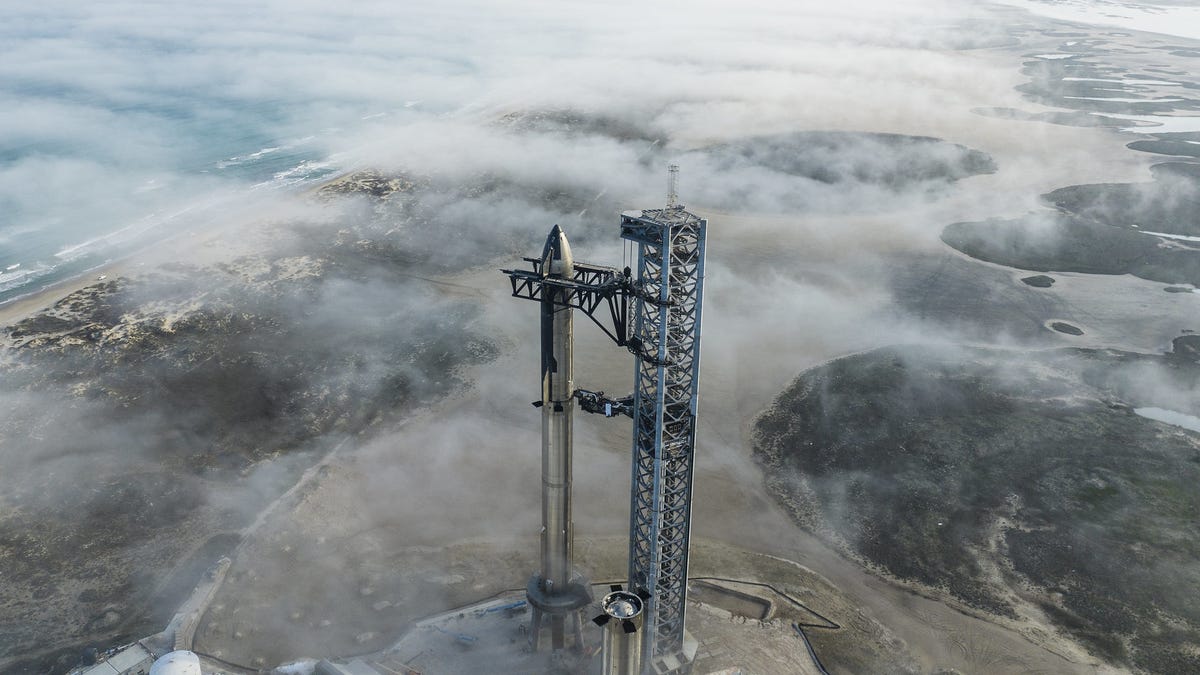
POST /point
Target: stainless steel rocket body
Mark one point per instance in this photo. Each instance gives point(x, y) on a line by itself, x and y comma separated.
point(622, 646)
point(557, 409)
point(555, 592)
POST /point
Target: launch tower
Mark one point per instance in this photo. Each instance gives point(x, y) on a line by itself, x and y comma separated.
point(669, 290)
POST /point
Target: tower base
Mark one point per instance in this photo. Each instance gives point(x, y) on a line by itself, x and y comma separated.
point(679, 662)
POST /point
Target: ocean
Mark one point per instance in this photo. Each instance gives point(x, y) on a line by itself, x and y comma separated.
point(83, 216)
point(125, 122)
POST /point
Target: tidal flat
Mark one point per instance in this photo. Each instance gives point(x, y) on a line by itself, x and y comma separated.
point(1023, 484)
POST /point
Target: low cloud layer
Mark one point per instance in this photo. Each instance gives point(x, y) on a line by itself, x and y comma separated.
point(496, 123)
point(122, 112)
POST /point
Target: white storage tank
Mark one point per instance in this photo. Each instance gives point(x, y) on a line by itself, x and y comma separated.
point(181, 662)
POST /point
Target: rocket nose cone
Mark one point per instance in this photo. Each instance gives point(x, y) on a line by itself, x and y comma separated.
point(555, 242)
point(556, 256)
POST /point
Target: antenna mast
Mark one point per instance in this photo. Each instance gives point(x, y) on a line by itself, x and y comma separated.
point(672, 185)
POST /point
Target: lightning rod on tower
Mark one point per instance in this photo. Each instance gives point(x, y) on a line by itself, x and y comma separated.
point(672, 185)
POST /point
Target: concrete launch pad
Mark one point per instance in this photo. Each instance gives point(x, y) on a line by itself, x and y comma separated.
point(741, 627)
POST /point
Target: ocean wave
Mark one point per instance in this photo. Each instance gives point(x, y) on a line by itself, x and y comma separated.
point(11, 279)
point(233, 161)
point(304, 172)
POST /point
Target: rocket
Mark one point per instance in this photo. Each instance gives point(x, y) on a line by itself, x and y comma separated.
point(558, 406)
point(555, 592)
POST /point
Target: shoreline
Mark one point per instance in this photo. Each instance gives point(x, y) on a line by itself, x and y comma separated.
point(25, 305)
point(22, 307)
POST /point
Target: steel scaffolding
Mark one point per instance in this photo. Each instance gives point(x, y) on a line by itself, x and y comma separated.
point(668, 289)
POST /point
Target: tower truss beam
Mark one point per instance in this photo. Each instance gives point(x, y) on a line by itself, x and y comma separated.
point(669, 289)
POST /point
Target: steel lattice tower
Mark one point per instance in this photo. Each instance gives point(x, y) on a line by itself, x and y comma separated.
point(666, 339)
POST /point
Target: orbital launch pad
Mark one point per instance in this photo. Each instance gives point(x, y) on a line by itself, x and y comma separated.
point(632, 623)
point(664, 337)
point(652, 308)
